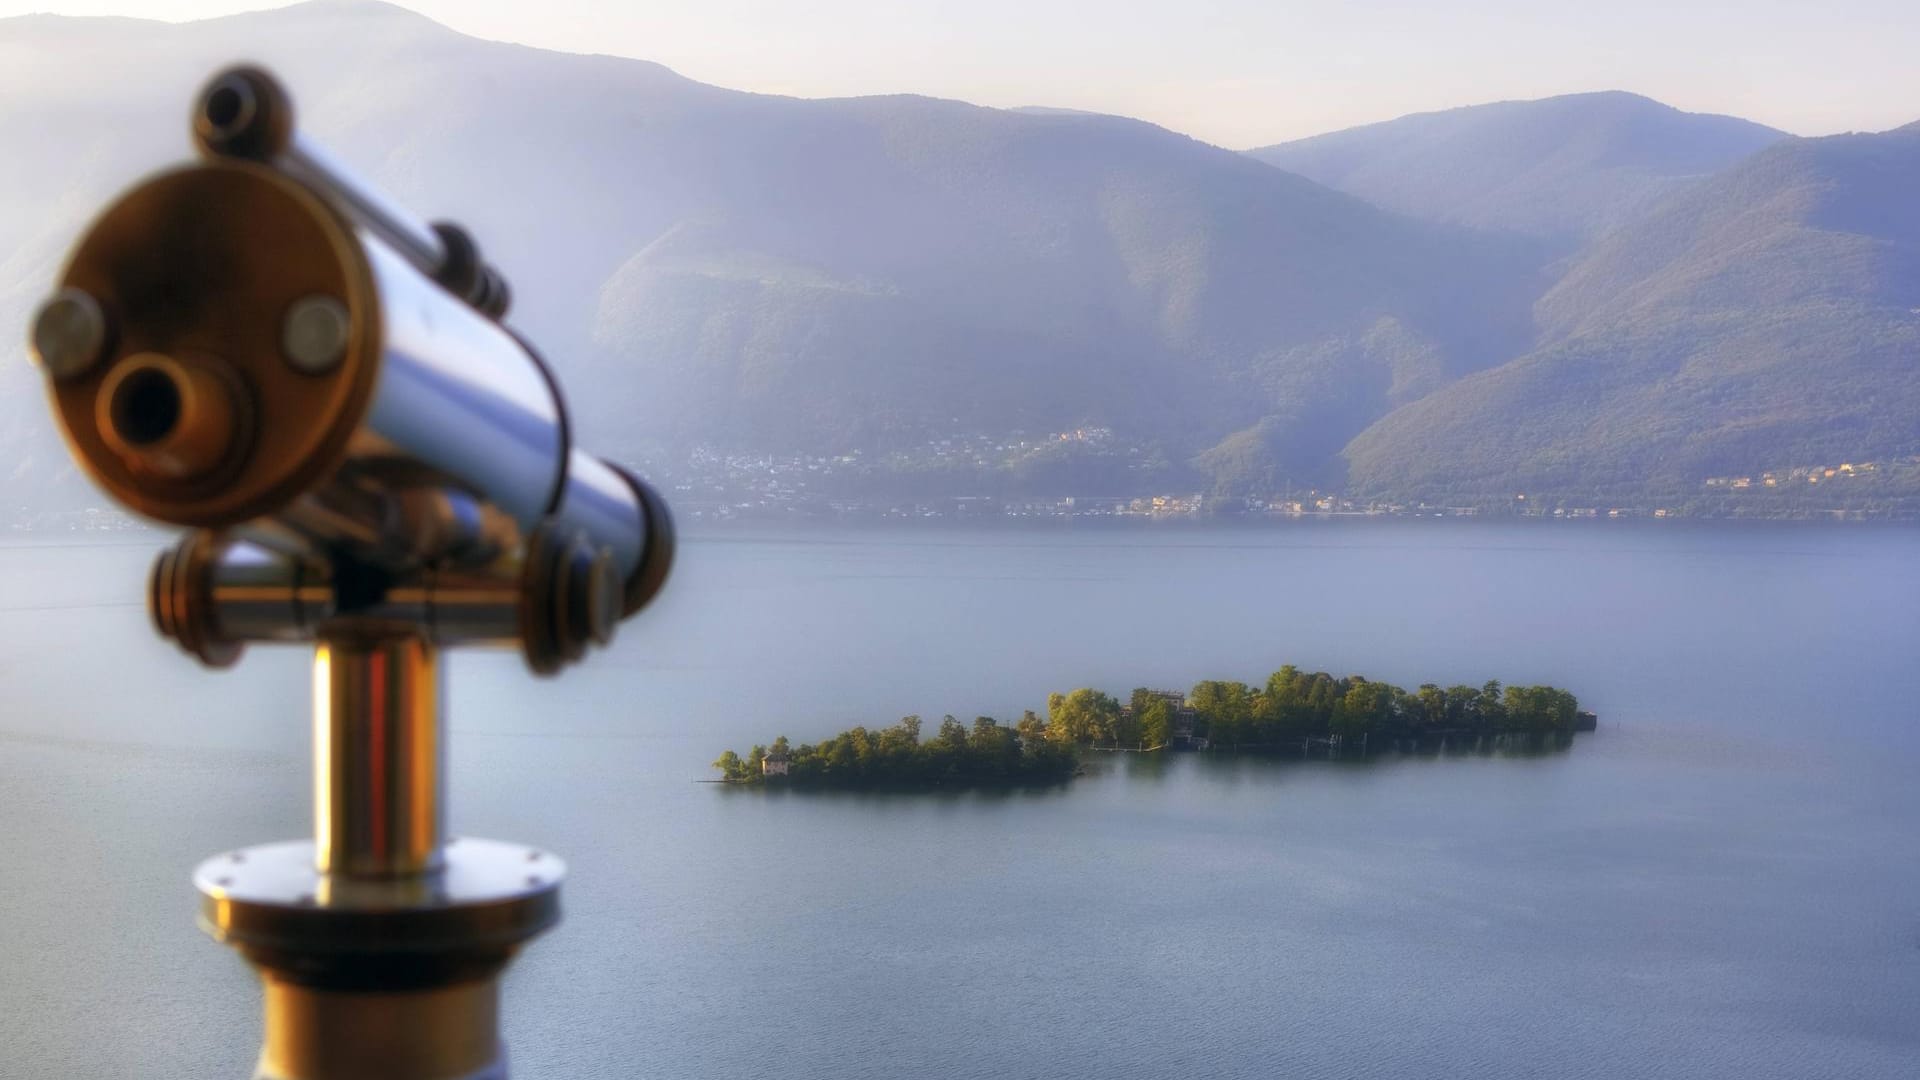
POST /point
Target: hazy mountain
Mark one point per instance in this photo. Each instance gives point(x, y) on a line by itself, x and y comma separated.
point(1767, 318)
point(765, 273)
point(912, 265)
point(1565, 169)
point(777, 273)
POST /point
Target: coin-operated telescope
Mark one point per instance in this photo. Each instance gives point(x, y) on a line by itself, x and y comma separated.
point(320, 387)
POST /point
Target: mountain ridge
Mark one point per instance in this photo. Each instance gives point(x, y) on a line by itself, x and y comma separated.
point(822, 275)
point(1769, 318)
point(1565, 169)
point(770, 274)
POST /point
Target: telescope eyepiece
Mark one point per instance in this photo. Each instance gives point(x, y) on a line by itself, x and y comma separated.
point(167, 419)
point(144, 407)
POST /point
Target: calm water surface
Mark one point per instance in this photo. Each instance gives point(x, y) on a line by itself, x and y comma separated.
point(1723, 882)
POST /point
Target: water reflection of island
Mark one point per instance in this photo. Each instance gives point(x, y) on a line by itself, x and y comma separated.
point(1296, 713)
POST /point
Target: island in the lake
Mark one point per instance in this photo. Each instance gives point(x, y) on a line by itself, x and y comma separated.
point(1295, 712)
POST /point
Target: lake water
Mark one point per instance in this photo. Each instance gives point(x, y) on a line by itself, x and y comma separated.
point(1724, 881)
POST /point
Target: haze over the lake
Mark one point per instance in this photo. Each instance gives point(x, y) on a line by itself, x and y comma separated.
point(1719, 884)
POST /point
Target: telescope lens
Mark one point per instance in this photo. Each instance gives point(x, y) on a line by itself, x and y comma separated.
point(145, 407)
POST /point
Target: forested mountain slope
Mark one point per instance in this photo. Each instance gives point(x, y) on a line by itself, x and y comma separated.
point(1768, 318)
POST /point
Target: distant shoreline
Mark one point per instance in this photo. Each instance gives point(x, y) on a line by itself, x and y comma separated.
point(699, 513)
point(736, 528)
point(104, 526)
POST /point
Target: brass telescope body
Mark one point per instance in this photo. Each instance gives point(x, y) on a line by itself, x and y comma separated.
point(269, 353)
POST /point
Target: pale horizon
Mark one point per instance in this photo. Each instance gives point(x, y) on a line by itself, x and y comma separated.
point(1213, 71)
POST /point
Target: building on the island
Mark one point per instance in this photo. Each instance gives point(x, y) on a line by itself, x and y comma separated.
point(1181, 735)
point(774, 764)
point(1183, 717)
point(1585, 721)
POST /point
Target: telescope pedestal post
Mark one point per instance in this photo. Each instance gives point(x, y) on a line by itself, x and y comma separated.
point(379, 760)
point(449, 1032)
point(380, 943)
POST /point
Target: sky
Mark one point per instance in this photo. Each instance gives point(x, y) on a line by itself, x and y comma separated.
point(1239, 73)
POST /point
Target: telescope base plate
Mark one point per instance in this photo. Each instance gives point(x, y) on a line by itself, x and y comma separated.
point(272, 903)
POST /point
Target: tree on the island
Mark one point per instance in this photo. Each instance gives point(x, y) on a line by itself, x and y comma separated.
point(808, 762)
point(1147, 721)
point(731, 766)
point(865, 747)
point(1155, 721)
point(1539, 708)
point(840, 757)
point(1463, 707)
point(1031, 729)
point(1493, 712)
point(1056, 707)
point(755, 759)
point(995, 749)
point(1140, 699)
point(1225, 707)
point(1285, 709)
point(901, 740)
point(1362, 709)
point(1084, 716)
point(1404, 711)
point(1320, 701)
point(953, 733)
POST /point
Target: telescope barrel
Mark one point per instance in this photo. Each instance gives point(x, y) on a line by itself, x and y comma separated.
point(326, 393)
